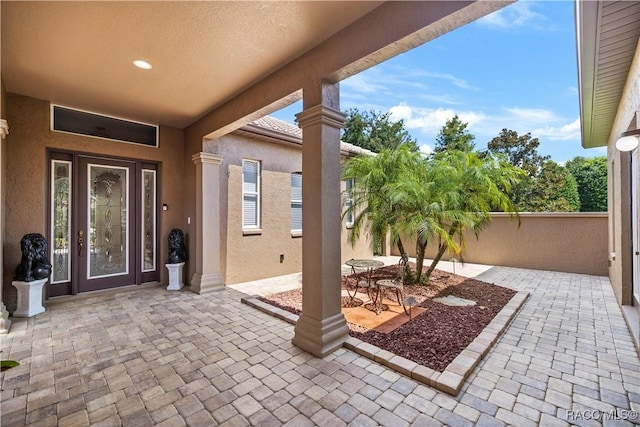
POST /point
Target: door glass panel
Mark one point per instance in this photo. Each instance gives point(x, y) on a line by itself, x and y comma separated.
point(148, 220)
point(108, 227)
point(60, 220)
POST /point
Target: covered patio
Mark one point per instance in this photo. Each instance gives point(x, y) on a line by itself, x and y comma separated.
point(211, 68)
point(141, 355)
point(150, 357)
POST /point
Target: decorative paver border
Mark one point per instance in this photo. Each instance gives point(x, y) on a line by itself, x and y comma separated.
point(453, 377)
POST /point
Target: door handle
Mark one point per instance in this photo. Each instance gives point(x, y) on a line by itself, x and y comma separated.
point(80, 243)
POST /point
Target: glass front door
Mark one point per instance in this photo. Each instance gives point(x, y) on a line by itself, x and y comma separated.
point(103, 223)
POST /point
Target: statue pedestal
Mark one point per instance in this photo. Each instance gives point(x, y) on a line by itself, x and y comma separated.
point(175, 276)
point(5, 323)
point(29, 297)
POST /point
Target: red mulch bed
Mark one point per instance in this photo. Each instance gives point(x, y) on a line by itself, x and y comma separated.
point(435, 337)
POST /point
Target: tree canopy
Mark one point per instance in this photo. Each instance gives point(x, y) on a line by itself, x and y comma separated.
point(521, 150)
point(375, 131)
point(454, 136)
point(553, 189)
point(591, 178)
point(548, 186)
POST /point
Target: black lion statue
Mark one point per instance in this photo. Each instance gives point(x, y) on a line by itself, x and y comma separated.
point(177, 250)
point(34, 264)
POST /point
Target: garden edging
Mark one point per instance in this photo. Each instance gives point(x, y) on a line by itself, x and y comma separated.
point(452, 378)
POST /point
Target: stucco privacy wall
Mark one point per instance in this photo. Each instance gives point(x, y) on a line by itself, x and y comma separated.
point(569, 242)
point(253, 256)
point(26, 168)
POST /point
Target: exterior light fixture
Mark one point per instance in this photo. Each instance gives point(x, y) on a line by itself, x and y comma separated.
point(628, 141)
point(142, 64)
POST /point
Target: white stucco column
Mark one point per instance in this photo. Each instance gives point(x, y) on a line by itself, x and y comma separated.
point(321, 328)
point(207, 277)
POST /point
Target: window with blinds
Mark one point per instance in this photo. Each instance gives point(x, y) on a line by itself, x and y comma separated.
point(250, 194)
point(296, 202)
point(348, 202)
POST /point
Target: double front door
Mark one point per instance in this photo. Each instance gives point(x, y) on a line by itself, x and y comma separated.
point(102, 231)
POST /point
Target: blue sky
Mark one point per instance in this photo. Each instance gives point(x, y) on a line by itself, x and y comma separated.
point(514, 69)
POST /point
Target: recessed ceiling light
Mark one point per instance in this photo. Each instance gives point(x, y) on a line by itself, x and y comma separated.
point(142, 64)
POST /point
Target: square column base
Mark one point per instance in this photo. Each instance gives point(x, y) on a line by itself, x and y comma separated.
point(208, 282)
point(5, 323)
point(29, 297)
point(175, 276)
point(321, 338)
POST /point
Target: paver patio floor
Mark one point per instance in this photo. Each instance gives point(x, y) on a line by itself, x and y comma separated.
point(153, 357)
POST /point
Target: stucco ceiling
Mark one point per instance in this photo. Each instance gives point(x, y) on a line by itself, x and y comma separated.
point(80, 54)
point(608, 35)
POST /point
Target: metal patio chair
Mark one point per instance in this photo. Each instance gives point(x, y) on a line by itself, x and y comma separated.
point(396, 284)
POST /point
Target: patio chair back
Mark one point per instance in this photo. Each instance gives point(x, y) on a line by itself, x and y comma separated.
point(395, 285)
point(402, 269)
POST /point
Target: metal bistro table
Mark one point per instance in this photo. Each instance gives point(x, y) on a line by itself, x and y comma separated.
point(369, 265)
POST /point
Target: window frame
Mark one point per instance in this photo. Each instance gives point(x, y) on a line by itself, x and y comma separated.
point(256, 193)
point(295, 232)
point(349, 218)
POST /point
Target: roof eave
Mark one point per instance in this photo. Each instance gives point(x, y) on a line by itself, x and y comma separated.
point(271, 135)
point(587, 16)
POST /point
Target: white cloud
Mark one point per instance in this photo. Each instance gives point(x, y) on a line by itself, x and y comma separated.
point(456, 81)
point(514, 16)
point(529, 115)
point(426, 149)
point(359, 83)
point(439, 99)
point(429, 120)
point(541, 123)
point(396, 83)
point(565, 132)
point(400, 112)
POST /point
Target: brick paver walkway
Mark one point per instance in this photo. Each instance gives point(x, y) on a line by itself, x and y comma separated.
point(151, 357)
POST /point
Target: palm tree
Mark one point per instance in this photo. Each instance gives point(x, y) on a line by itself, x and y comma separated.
point(433, 199)
point(472, 187)
point(423, 210)
point(373, 203)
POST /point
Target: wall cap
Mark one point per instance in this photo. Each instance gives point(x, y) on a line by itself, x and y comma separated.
point(552, 214)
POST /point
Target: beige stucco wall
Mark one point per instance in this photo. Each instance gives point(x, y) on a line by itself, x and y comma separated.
point(26, 168)
point(248, 257)
point(569, 242)
point(363, 247)
point(192, 146)
point(619, 242)
point(27, 190)
point(619, 175)
point(3, 161)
